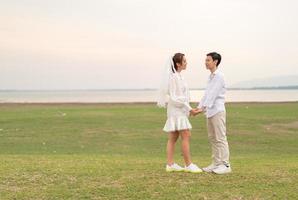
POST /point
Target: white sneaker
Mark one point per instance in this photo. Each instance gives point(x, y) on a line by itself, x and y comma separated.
point(174, 168)
point(192, 168)
point(222, 169)
point(210, 168)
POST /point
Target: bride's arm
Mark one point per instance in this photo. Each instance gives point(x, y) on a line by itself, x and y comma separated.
point(180, 101)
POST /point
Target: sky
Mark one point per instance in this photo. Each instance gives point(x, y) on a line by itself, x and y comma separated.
point(116, 44)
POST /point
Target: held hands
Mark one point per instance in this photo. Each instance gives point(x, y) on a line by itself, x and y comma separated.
point(195, 111)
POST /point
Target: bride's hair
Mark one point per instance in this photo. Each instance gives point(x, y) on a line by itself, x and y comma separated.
point(177, 58)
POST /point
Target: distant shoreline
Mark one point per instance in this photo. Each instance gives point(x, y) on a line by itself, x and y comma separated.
point(138, 96)
point(150, 89)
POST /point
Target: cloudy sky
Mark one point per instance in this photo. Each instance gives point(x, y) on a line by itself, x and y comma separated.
point(116, 44)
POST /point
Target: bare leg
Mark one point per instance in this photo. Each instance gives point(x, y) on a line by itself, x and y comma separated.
point(185, 135)
point(173, 136)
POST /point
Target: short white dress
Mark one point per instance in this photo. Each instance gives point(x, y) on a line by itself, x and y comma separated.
point(178, 106)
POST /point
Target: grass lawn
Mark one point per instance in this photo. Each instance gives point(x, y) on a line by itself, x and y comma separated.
point(117, 151)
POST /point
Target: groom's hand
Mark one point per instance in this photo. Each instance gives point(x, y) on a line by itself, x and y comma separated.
point(194, 111)
point(200, 110)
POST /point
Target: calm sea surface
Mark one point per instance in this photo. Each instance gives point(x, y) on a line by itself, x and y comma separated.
point(113, 96)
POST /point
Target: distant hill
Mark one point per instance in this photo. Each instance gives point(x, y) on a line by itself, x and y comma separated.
point(278, 82)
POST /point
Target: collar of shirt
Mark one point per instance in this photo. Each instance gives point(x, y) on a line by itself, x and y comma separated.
point(213, 74)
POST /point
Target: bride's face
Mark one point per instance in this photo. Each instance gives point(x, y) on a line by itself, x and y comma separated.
point(182, 65)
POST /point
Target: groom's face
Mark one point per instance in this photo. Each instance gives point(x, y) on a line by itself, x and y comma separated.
point(210, 63)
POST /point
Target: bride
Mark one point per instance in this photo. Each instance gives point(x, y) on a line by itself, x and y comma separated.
point(174, 95)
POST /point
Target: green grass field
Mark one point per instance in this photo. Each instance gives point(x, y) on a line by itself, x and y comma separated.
point(117, 151)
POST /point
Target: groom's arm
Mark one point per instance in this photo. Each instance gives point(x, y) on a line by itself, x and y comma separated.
point(201, 104)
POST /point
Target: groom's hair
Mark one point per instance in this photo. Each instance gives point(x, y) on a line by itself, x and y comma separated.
point(215, 56)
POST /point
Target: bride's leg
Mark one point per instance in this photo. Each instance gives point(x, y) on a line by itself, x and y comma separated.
point(185, 135)
point(172, 138)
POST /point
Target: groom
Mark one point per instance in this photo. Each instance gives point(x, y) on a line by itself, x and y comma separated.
point(213, 105)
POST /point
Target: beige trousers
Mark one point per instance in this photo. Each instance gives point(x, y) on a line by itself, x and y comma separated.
point(218, 138)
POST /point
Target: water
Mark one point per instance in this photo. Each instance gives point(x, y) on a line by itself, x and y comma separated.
point(114, 96)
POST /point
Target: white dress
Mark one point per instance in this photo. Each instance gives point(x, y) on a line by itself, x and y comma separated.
point(178, 106)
